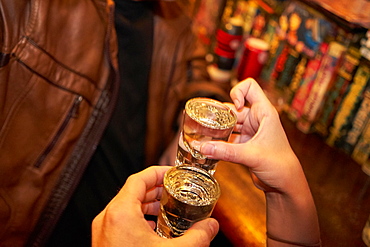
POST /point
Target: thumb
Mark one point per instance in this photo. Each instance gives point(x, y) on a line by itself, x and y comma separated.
point(222, 151)
point(201, 233)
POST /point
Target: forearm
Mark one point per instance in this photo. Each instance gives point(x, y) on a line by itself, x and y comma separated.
point(292, 216)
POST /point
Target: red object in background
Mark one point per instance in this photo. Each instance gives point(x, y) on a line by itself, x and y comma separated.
point(254, 58)
point(228, 38)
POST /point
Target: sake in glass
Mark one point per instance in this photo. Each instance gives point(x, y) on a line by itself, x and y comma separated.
point(189, 195)
point(204, 120)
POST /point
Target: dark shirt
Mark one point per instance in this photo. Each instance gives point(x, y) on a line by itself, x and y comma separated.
point(121, 150)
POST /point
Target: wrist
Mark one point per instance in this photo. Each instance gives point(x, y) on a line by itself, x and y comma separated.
point(292, 216)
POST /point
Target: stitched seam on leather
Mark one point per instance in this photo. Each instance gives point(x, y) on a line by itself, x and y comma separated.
point(52, 71)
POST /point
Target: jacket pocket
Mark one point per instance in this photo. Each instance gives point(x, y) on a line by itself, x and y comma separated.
point(73, 112)
point(40, 129)
point(34, 122)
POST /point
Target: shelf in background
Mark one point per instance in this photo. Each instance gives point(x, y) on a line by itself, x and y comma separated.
point(355, 12)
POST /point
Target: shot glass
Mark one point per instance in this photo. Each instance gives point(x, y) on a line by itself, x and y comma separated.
point(189, 195)
point(204, 120)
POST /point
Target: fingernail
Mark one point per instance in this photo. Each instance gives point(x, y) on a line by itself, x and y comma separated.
point(208, 149)
point(196, 145)
point(237, 103)
point(213, 225)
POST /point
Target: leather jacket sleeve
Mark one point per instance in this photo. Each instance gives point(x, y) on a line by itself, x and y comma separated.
point(57, 78)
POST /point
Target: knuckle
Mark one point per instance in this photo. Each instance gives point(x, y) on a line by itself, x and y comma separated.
point(228, 154)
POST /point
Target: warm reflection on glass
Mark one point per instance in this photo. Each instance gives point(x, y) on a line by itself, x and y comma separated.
point(189, 195)
point(204, 120)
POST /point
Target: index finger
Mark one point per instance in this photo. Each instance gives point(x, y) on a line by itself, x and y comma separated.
point(248, 90)
point(138, 184)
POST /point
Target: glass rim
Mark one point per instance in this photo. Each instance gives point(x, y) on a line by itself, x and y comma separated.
point(195, 169)
point(215, 103)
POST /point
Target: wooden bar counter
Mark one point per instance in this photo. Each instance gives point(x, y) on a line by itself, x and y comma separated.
point(241, 207)
point(339, 187)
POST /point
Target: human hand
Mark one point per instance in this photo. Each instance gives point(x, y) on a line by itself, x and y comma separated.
point(261, 143)
point(122, 222)
point(263, 147)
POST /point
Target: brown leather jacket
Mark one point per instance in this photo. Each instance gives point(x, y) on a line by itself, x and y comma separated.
point(58, 81)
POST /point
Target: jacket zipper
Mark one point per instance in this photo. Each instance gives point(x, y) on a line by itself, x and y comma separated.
point(72, 113)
